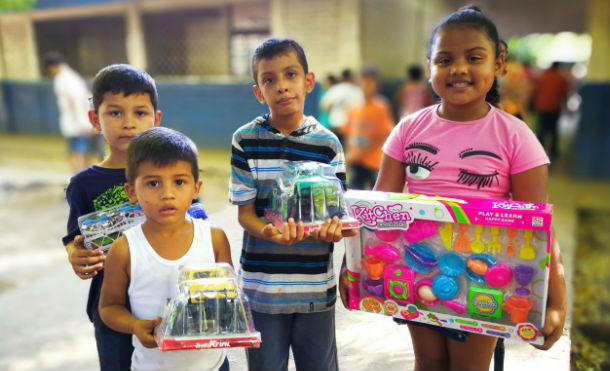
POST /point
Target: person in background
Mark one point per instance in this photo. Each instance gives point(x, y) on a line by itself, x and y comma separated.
point(515, 87)
point(338, 100)
point(367, 128)
point(323, 115)
point(551, 93)
point(415, 94)
point(72, 100)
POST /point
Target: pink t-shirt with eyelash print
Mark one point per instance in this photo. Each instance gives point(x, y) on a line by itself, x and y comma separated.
point(463, 159)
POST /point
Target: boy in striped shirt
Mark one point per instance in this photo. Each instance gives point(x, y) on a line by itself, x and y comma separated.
point(287, 273)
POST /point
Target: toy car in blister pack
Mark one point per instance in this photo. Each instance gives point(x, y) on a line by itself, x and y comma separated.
point(209, 311)
point(309, 192)
point(101, 228)
point(476, 265)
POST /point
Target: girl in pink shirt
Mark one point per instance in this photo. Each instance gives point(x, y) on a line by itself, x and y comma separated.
point(466, 147)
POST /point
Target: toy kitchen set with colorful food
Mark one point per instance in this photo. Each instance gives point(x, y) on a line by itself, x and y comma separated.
point(469, 264)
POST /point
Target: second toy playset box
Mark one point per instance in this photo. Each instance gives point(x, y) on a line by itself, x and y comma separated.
point(468, 264)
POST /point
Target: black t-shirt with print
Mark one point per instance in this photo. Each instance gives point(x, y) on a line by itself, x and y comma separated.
point(93, 189)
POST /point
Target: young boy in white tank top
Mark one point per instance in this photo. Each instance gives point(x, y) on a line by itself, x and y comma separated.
point(162, 175)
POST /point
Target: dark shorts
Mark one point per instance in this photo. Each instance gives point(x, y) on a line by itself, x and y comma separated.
point(114, 349)
point(457, 335)
point(310, 335)
point(80, 144)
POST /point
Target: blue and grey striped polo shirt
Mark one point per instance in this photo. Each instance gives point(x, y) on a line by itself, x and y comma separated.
point(282, 279)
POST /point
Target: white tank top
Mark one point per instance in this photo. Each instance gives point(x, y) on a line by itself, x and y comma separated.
point(153, 281)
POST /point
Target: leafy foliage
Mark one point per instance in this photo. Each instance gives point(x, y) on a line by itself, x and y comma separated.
point(591, 312)
point(16, 5)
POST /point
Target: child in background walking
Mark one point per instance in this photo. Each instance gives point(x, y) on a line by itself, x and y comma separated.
point(366, 130)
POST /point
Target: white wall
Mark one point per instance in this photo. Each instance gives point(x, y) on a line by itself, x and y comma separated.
point(18, 56)
point(328, 30)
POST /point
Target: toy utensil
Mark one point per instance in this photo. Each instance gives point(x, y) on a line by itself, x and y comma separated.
point(510, 248)
point(447, 234)
point(462, 244)
point(478, 246)
point(527, 252)
point(494, 246)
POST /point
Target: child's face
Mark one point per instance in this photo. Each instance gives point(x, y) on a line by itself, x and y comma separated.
point(369, 85)
point(463, 66)
point(164, 192)
point(121, 118)
point(282, 84)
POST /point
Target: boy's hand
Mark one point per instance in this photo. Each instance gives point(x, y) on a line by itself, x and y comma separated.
point(290, 233)
point(344, 286)
point(143, 330)
point(85, 263)
point(331, 231)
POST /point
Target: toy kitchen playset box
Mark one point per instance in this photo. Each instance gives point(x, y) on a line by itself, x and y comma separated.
point(469, 264)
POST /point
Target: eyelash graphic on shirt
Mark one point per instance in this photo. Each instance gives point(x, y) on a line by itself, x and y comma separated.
point(481, 180)
point(418, 166)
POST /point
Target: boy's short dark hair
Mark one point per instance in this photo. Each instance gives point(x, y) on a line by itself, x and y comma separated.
point(123, 78)
point(369, 71)
point(415, 72)
point(273, 47)
point(162, 146)
point(52, 58)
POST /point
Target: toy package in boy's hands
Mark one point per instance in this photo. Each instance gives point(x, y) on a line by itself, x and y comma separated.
point(101, 228)
point(310, 192)
point(209, 311)
point(469, 264)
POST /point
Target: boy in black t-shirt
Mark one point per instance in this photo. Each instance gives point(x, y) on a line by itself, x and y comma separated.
point(124, 105)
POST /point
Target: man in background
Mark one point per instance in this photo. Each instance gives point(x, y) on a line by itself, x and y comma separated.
point(72, 100)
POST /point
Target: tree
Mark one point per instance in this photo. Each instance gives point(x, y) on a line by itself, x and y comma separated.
point(16, 5)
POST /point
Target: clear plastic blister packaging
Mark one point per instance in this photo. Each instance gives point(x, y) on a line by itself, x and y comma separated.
point(309, 192)
point(452, 266)
point(101, 228)
point(209, 311)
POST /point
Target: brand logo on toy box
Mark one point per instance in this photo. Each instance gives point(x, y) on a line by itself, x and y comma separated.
point(485, 303)
point(214, 344)
point(392, 216)
point(507, 205)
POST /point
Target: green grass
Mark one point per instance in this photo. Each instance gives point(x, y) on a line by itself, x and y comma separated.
point(591, 312)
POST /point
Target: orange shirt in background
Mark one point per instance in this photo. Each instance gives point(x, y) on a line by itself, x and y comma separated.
point(366, 131)
point(551, 91)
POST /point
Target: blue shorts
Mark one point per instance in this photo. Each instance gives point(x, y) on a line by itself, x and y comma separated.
point(310, 335)
point(80, 144)
point(114, 349)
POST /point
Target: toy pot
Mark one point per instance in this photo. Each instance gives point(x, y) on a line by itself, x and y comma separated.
point(374, 287)
point(373, 266)
point(518, 307)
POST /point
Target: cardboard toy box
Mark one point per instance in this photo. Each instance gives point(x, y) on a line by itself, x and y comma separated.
point(469, 264)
